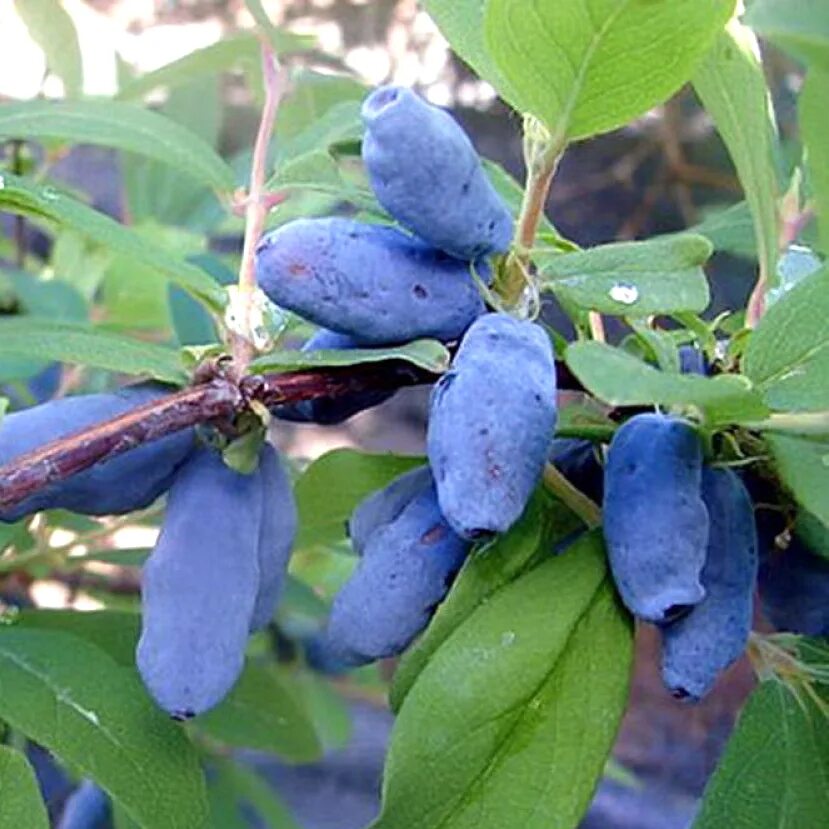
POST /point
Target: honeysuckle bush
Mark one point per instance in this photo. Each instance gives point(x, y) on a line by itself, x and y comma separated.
point(508, 704)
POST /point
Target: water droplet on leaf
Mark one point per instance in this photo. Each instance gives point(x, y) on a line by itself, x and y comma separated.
point(625, 293)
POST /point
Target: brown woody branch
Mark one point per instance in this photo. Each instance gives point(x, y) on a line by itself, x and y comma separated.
point(216, 401)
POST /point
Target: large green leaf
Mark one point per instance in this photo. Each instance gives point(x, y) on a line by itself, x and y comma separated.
point(262, 713)
point(732, 86)
point(462, 23)
point(660, 276)
point(332, 486)
point(112, 631)
point(512, 720)
point(52, 28)
point(544, 524)
point(813, 100)
point(620, 379)
point(788, 353)
point(803, 465)
point(86, 345)
point(775, 771)
point(800, 26)
point(588, 67)
point(19, 195)
point(119, 125)
point(70, 697)
point(428, 354)
point(20, 802)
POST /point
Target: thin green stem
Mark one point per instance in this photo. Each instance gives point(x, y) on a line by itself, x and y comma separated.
point(572, 497)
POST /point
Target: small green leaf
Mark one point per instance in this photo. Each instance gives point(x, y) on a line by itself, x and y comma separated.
point(52, 29)
point(119, 125)
point(729, 229)
point(732, 86)
point(89, 346)
point(20, 801)
point(587, 68)
point(660, 276)
point(261, 713)
point(621, 379)
point(799, 26)
point(813, 100)
point(513, 718)
point(543, 524)
point(775, 769)
point(330, 489)
point(427, 354)
point(70, 697)
point(788, 354)
point(461, 22)
point(804, 467)
point(19, 195)
point(261, 797)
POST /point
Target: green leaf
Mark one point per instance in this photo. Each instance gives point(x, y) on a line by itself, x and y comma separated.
point(660, 276)
point(20, 801)
point(318, 172)
point(427, 354)
point(262, 713)
point(53, 30)
point(330, 489)
point(122, 126)
point(339, 124)
point(331, 716)
point(775, 769)
point(731, 84)
point(512, 720)
point(543, 524)
point(803, 466)
point(461, 22)
point(83, 344)
point(587, 68)
point(812, 106)
point(799, 26)
point(70, 697)
point(256, 793)
point(114, 632)
point(218, 57)
point(730, 229)
point(52, 299)
point(788, 354)
point(19, 195)
point(621, 379)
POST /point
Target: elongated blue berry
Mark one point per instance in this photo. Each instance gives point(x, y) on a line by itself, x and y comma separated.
point(329, 411)
point(385, 505)
point(426, 173)
point(655, 522)
point(374, 283)
point(405, 571)
point(697, 648)
point(128, 482)
point(200, 585)
point(491, 424)
point(277, 534)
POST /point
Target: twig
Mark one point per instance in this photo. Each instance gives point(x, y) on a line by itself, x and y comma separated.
point(541, 155)
point(572, 497)
point(217, 401)
point(257, 208)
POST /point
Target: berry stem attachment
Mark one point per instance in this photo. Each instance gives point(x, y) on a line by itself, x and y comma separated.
point(257, 207)
point(572, 497)
point(541, 155)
